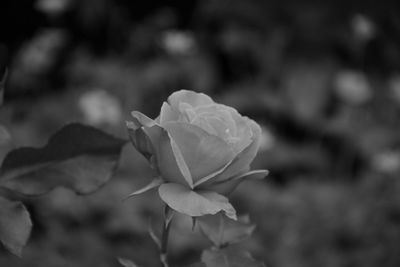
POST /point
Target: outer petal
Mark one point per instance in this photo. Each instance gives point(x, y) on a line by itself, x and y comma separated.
point(225, 188)
point(184, 200)
point(204, 153)
point(243, 159)
point(154, 143)
point(190, 97)
point(244, 129)
point(168, 114)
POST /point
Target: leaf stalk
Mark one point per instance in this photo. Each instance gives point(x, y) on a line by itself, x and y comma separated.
point(165, 234)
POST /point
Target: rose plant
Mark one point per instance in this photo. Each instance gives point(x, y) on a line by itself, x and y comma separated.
point(200, 150)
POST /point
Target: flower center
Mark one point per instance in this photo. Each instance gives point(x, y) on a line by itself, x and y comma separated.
point(214, 119)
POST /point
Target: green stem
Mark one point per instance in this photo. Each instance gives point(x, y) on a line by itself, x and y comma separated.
point(164, 238)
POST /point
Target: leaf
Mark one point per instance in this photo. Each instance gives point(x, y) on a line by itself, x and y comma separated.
point(15, 225)
point(15, 221)
point(222, 231)
point(78, 157)
point(126, 263)
point(186, 201)
point(229, 257)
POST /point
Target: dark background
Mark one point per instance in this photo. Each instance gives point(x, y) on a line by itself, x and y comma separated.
point(322, 78)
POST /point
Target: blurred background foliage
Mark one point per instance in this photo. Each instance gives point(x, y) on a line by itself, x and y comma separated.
point(322, 78)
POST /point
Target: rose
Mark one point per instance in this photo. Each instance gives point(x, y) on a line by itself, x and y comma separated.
point(200, 151)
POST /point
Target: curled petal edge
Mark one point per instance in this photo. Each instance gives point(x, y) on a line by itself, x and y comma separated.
point(227, 187)
point(193, 98)
point(242, 160)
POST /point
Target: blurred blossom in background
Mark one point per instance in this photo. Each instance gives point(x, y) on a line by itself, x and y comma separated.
point(53, 7)
point(353, 87)
point(37, 57)
point(322, 78)
point(267, 139)
point(99, 108)
point(388, 161)
point(363, 27)
point(4, 135)
point(176, 42)
point(394, 85)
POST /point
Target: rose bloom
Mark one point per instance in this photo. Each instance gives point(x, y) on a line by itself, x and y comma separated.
point(200, 150)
